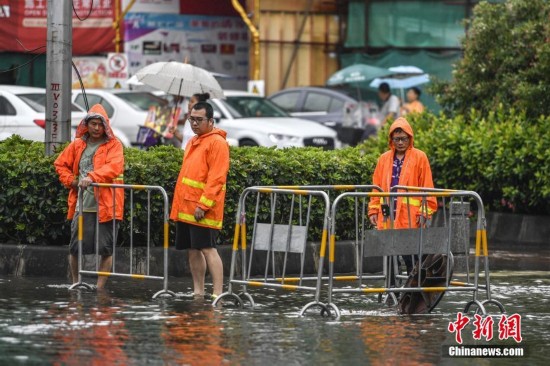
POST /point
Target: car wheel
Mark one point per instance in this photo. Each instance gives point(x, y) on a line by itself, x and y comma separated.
point(248, 142)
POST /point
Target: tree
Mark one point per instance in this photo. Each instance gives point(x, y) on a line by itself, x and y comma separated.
point(506, 60)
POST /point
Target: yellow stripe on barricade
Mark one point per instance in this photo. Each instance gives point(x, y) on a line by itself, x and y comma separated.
point(236, 238)
point(288, 187)
point(255, 283)
point(342, 187)
point(484, 242)
point(332, 248)
point(243, 236)
point(265, 190)
point(458, 283)
point(478, 242)
point(289, 287)
point(300, 192)
point(80, 227)
point(345, 278)
point(371, 290)
point(138, 276)
point(323, 244)
point(138, 186)
point(106, 274)
point(166, 233)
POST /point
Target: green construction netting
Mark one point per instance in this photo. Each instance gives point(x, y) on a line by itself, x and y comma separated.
point(436, 65)
point(399, 23)
point(30, 69)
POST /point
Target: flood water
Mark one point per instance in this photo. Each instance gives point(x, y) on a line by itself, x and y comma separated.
point(42, 322)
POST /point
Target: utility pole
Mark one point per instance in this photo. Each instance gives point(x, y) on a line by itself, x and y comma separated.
point(59, 50)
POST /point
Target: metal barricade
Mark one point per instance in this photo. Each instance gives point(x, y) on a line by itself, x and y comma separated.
point(131, 274)
point(289, 237)
point(424, 240)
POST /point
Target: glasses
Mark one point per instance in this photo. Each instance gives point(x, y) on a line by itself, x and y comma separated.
point(400, 139)
point(197, 120)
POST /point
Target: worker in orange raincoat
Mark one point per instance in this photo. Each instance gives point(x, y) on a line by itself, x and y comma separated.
point(199, 198)
point(402, 165)
point(95, 156)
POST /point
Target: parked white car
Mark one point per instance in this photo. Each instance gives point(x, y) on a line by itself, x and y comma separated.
point(126, 109)
point(255, 121)
point(23, 112)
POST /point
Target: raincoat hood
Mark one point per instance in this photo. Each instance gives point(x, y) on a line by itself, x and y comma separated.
point(97, 111)
point(403, 124)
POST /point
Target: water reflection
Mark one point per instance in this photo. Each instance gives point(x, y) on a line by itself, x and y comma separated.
point(94, 334)
point(41, 322)
point(195, 338)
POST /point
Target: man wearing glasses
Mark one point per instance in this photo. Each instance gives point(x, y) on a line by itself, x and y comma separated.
point(199, 198)
point(402, 165)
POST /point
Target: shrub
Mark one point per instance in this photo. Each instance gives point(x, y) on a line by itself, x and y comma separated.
point(33, 204)
point(506, 60)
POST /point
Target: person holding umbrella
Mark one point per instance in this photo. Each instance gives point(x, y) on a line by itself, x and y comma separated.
point(185, 133)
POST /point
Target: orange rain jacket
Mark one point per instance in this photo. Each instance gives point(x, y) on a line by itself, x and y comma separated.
point(416, 172)
point(202, 178)
point(108, 168)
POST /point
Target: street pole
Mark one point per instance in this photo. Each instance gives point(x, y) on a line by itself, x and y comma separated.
point(58, 74)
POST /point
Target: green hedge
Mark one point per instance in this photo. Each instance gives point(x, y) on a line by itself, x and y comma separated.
point(503, 156)
point(33, 202)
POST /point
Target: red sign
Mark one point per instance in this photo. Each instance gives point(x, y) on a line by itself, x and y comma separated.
point(26, 22)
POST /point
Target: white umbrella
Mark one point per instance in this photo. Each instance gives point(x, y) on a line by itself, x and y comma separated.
point(396, 83)
point(180, 79)
point(404, 83)
point(406, 70)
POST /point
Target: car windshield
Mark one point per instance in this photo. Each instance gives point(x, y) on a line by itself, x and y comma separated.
point(251, 106)
point(141, 101)
point(37, 101)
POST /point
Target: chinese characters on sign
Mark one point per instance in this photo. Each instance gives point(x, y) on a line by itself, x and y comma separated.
point(509, 326)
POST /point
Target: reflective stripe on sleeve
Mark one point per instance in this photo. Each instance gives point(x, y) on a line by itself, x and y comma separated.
point(208, 222)
point(205, 201)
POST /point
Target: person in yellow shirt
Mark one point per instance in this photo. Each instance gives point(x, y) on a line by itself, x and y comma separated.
point(413, 104)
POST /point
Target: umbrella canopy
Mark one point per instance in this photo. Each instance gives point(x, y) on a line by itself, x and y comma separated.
point(406, 70)
point(404, 83)
point(181, 79)
point(357, 73)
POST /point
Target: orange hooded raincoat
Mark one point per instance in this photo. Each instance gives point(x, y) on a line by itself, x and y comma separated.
point(202, 178)
point(415, 172)
point(108, 167)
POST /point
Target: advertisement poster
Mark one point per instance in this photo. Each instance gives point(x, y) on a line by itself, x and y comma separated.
point(92, 70)
point(153, 6)
point(217, 44)
point(24, 26)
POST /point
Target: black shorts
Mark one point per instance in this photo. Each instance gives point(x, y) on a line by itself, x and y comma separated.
point(89, 235)
point(195, 237)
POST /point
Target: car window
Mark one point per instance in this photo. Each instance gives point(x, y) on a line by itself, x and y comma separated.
point(316, 102)
point(6, 109)
point(37, 101)
point(336, 105)
point(217, 109)
point(247, 107)
point(95, 99)
point(287, 101)
point(141, 101)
